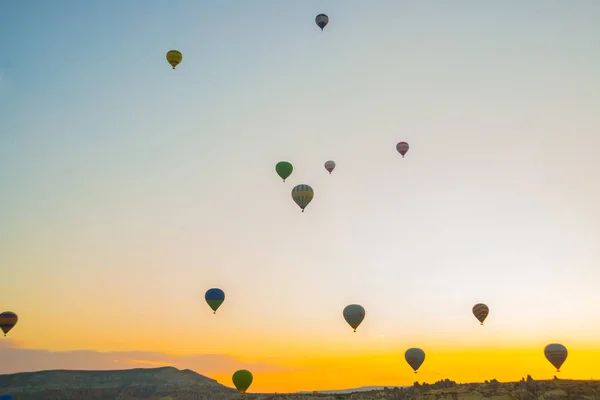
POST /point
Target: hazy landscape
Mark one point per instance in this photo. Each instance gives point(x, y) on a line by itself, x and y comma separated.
point(155, 383)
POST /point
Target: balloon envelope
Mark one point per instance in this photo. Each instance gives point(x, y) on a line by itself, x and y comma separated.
point(354, 315)
point(481, 311)
point(284, 169)
point(414, 357)
point(330, 166)
point(174, 57)
point(7, 397)
point(557, 354)
point(302, 195)
point(8, 320)
point(242, 380)
point(214, 297)
point(322, 20)
point(402, 148)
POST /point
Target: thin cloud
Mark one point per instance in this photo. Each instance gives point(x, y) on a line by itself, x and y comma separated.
point(29, 360)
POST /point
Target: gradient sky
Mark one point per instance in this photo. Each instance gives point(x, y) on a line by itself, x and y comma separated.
point(128, 189)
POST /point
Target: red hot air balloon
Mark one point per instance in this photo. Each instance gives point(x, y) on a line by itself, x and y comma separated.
point(330, 166)
point(402, 148)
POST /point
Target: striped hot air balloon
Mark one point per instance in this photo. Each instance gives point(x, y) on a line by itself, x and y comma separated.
point(174, 57)
point(330, 166)
point(557, 354)
point(8, 320)
point(302, 195)
point(402, 148)
point(481, 311)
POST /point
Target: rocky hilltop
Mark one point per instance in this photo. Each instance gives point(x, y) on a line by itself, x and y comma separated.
point(142, 384)
point(132, 384)
point(526, 389)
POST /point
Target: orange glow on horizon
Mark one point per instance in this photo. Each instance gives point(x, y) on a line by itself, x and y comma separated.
point(327, 373)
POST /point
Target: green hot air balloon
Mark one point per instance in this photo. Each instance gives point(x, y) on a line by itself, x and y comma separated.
point(214, 297)
point(284, 169)
point(242, 380)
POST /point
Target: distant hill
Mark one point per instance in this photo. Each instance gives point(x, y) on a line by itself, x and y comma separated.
point(132, 384)
point(358, 389)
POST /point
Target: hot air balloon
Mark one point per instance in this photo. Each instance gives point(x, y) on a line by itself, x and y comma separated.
point(7, 321)
point(322, 20)
point(481, 312)
point(7, 397)
point(402, 148)
point(174, 57)
point(214, 297)
point(284, 169)
point(354, 314)
point(556, 354)
point(330, 166)
point(242, 380)
point(302, 195)
point(414, 357)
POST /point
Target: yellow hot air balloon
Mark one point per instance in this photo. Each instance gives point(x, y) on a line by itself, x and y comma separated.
point(174, 57)
point(302, 195)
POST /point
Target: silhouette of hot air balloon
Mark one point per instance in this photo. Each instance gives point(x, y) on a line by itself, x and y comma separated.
point(414, 357)
point(8, 320)
point(557, 354)
point(214, 297)
point(481, 312)
point(302, 195)
point(322, 20)
point(174, 57)
point(242, 380)
point(402, 148)
point(330, 166)
point(284, 169)
point(354, 315)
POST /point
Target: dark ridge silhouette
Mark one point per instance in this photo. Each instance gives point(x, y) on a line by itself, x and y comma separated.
point(138, 383)
point(154, 383)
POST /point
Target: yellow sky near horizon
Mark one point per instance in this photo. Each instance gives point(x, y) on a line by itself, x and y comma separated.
point(323, 370)
point(391, 369)
point(327, 365)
